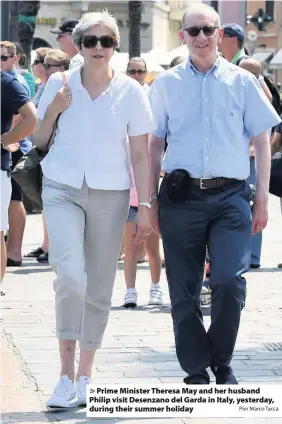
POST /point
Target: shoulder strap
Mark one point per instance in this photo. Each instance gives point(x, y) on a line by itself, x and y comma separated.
point(64, 79)
point(52, 135)
point(241, 58)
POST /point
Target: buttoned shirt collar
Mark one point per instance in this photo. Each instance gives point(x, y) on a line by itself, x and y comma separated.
point(216, 69)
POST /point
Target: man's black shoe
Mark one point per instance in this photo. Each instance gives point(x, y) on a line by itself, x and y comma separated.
point(202, 378)
point(254, 266)
point(224, 375)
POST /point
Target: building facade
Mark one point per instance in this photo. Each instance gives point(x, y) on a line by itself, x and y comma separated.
point(161, 21)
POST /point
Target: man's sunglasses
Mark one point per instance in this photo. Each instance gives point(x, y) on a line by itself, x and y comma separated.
point(4, 58)
point(36, 62)
point(134, 71)
point(90, 41)
point(194, 31)
point(47, 65)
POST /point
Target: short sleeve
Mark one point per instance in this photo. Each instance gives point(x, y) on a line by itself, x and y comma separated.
point(54, 84)
point(16, 96)
point(141, 120)
point(259, 114)
point(157, 102)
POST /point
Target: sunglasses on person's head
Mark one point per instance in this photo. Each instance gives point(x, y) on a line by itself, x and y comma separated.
point(194, 31)
point(47, 65)
point(37, 61)
point(90, 41)
point(136, 71)
point(4, 58)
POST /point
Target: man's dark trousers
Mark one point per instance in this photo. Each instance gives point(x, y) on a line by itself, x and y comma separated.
point(221, 219)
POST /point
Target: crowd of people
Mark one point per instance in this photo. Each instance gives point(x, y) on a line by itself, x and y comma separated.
point(206, 127)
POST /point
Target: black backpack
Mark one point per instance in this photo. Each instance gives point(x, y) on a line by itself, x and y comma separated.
point(276, 100)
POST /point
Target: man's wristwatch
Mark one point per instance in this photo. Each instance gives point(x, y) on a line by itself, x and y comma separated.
point(146, 204)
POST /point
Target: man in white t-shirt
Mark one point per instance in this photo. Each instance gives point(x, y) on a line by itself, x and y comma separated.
point(64, 39)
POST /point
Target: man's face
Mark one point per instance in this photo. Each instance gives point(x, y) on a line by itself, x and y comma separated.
point(202, 45)
point(7, 61)
point(228, 46)
point(65, 41)
point(51, 66)
point(137, 71)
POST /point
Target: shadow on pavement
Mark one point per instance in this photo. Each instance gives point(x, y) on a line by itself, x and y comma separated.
point(270, 269)
point(26, 270)
point(76, 415)
point(165, 308)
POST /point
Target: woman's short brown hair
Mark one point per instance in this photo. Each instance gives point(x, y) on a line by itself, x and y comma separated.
point(59, 57)
point(41, 52)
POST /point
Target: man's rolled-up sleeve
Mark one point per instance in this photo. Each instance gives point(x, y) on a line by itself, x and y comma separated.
point(259, 114)
point(157, 101)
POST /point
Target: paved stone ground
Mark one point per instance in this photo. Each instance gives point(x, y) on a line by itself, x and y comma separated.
point(138, 345)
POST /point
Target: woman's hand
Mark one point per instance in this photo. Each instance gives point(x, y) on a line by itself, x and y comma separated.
point(61, 101)
point(143, 225)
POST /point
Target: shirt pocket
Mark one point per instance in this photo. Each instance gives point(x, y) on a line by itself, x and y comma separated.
point(236, 122)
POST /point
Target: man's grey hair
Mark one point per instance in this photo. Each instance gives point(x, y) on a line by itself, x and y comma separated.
point(201, 7)
point(88, 20)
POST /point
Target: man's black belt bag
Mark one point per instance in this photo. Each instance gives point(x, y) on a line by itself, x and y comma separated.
point(178, 183)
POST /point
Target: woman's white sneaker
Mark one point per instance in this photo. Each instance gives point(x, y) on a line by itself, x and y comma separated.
point(130, 299)
point(81, 389)
point(156, 296)
point(63, 394)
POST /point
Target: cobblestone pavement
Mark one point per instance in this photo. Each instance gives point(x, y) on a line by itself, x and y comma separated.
point(138, 345)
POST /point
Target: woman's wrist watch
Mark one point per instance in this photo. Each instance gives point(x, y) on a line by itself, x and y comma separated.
point(146, 204)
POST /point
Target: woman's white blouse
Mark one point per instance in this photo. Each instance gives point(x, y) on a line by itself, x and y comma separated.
point(91, 140)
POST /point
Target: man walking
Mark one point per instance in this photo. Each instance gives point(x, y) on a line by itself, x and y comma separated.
point(14, 100)
point(210, 109)
point(17, 212)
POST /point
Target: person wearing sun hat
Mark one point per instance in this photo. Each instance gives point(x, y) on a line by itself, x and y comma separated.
point(64, 38)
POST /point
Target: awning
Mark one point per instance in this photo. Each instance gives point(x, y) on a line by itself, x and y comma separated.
point(276, 62)
point(263, 56)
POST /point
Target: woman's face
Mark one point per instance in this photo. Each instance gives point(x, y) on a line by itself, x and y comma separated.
point(38, 69)
point(97, 46)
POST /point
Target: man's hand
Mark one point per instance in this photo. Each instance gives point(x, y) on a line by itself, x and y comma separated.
point(12, 147)
point(143, 225)
point(155, 217)
point(260, 213)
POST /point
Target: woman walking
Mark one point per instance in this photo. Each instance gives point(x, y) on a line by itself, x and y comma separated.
point(86, 191)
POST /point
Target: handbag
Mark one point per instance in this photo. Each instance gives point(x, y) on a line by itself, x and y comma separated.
point(28, 173)
point(275, 184)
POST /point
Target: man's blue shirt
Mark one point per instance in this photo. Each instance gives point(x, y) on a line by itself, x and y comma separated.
point(209, 118)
